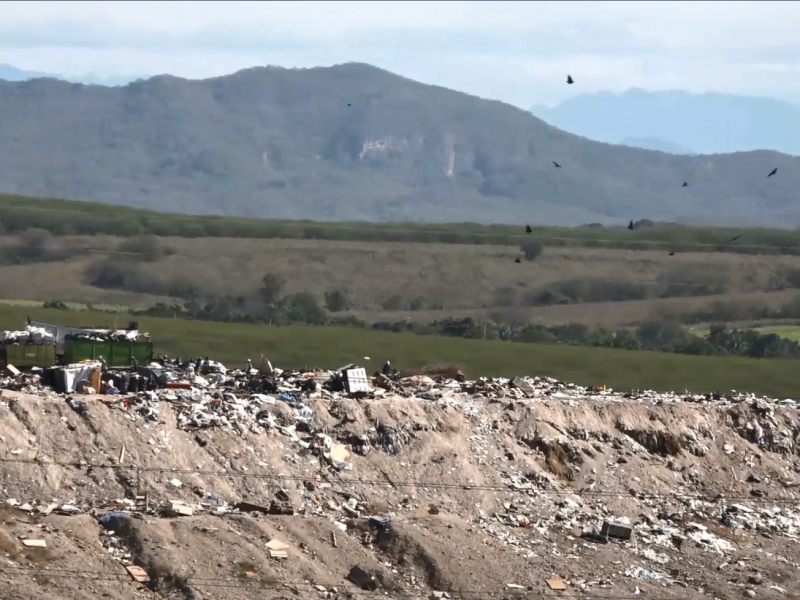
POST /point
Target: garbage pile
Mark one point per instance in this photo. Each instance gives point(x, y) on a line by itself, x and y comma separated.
point(207, 394)
point(31, 335)
point(213, 396)
point(108, 335)
point(563, 487)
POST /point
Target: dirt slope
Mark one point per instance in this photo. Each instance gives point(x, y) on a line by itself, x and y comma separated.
point(483, 492)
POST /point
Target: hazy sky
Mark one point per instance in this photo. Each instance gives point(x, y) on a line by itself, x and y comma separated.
point(518, 52)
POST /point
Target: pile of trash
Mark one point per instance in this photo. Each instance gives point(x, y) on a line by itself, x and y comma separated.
point(531, 465)
point(31, 335)
point(108, 335)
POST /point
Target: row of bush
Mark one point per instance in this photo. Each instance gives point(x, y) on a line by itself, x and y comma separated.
point(657, 335)
point(61, 217)
point(652, 335)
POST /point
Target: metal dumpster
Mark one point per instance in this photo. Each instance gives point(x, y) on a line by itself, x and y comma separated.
point(116, 354)
point(29, 355)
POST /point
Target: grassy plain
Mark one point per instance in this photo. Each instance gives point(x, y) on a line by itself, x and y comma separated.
point(422, 282)
point(330, 347)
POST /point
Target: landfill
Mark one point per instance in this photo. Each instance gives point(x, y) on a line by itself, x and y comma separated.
point(413, 484)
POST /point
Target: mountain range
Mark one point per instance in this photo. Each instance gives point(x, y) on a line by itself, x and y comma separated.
point(11, 73)
point(680, 122)
point(355, 142)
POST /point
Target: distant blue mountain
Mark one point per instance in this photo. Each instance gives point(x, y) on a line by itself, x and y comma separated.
point(651, 143)
point(698, 123)
point(11, 73)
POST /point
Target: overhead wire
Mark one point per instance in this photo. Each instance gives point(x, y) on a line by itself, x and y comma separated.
point(611, 243)
point(709, 496)
point(234, 583)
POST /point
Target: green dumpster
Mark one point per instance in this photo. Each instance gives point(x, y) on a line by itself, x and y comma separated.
point(116, 354)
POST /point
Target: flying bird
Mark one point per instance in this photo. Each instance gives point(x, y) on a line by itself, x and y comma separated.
point(672, 253)
point(685, 184)
point(517, 260)
point(556, 164)
point(630, 225)
point(570, 81)
point(736, 238)
point(348, 104)
point(771, 173)
point(528, 229)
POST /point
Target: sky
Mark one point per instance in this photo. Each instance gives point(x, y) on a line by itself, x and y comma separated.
point(517, 52)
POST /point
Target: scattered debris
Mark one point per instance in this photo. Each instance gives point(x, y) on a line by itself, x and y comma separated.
point(556, 583)
point(138, 574)
point(362, 579)
point(278, 549)
point(555, 470)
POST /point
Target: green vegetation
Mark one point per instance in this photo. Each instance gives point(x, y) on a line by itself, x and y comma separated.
point(20, 214)
point(652, 335)
point(73, 306)
point(331, 347)
point(789, 332)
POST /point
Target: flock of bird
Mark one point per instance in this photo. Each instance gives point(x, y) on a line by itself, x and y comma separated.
point(631, 225)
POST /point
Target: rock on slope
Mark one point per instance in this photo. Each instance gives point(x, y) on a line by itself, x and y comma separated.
point(483, 491)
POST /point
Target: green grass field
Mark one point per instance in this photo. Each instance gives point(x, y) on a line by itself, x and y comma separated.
point(330, 347)
point(76, 306)
point(791, 332)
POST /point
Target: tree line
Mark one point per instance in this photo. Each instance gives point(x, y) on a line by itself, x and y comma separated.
point(62, 217)
point(656, 335)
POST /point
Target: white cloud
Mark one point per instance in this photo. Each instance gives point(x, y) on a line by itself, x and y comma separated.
point(519, 52)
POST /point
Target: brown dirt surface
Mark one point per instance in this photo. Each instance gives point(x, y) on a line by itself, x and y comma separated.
point(481, 494)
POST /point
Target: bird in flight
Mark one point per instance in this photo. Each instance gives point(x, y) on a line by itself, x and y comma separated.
point(771, 173)
point(736, 238)
point(570, 81)
point(672, 253)
point(685, 184)
point(517, 260)
point(528, 229)
point(630, 225)
point(556, 164)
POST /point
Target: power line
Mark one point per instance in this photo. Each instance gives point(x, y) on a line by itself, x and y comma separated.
point(89, 250)
point(710, 496)
point(233, 583)
point(609, 243)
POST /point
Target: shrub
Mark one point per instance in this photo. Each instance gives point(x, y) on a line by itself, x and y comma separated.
point(505, 296)
point(32, 247)
point(271, 289)
point(143, 247)
point(111, 274)
point(417, 304)
point(393, 302)
point(55, 305)
point(304, 308)
point(336, 301)
point(532, 249)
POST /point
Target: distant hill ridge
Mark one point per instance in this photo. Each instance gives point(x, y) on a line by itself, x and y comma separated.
point(706, 123)
point(354, 142)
